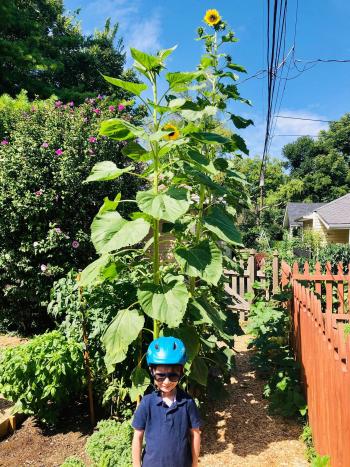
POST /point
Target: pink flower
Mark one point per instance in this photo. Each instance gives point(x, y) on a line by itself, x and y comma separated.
point(92, 139)
point(58, 152)
point(75, 244)
point(58, 230)
point(33, 109)
point(97, 111)
point(43, 267)
point(71, 104)
point(58, 104)
point(111, 108)
point(38, 193)
point(121, 107)
point(4, 142)
point(85, 119)
point(45, 145)
point(100, 97)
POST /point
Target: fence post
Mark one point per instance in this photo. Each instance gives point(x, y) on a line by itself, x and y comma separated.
point(251, 270)
point(275, 272)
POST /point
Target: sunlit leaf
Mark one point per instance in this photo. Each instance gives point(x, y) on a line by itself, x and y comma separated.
point(107, 170)
point(134, 88)
point(166, 302)
point(122, 331)
point(110, 232)
point(222, 224)
point(168, 205)
point(149, 62)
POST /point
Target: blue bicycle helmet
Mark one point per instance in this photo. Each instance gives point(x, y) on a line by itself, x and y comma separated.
point(166, 351)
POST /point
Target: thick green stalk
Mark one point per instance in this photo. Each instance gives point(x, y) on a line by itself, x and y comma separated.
point(198, 231)
point(156, 254)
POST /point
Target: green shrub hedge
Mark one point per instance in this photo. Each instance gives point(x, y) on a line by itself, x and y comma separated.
point(47, 150)
point(43, 376)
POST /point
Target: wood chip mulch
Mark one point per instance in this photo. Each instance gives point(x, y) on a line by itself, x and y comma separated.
point(240, 432)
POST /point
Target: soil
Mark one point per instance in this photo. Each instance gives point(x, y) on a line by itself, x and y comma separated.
point(239, 432)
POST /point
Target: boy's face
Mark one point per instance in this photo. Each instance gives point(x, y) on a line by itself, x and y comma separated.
point(162, 373)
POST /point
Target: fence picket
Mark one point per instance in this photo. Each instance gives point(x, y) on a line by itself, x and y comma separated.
point(323, 350)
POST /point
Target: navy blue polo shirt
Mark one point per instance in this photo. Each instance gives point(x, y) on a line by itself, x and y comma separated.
point(167, 429)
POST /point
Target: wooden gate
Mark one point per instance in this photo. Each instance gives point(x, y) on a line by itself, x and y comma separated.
point(239, 283)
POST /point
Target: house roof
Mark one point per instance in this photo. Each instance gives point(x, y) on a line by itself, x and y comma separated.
point(296, 211)
point(336, 214)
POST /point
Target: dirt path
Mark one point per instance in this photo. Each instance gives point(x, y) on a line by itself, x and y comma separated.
point(240, 432)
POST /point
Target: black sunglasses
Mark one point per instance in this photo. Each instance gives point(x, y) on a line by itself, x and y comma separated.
point(160, 377)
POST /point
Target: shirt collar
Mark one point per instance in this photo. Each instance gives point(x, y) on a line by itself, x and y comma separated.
point(180, 397)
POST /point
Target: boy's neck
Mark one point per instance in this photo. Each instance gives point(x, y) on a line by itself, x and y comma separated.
point(169, 395)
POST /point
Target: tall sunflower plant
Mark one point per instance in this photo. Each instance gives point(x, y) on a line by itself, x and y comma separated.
point(186, 148)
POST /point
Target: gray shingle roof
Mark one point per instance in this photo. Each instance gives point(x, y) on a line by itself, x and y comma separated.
point(337, 212)
point(296, 210)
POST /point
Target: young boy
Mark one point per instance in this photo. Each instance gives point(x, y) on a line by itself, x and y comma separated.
point(168, 417)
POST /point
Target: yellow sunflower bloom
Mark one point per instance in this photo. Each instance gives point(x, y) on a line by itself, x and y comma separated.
point(212, 17)
point(174, 132)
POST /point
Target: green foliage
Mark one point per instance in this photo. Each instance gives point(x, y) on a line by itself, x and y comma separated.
point(45, 207)
point(314, 459)
point(43, 50)
point(110, 445)
point(189, 155)
point(43, 376)
point(73, 462)
point(269, 324)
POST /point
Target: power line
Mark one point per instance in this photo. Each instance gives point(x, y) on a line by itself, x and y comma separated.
point(307, 119)
point(298, 136)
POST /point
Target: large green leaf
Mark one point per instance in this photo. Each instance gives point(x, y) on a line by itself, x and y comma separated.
point(115, 129)
point(222, 224)
point(134, 88)
point(190, 338)
point(106, 170)
point(95, 271)
point(179, 81)
point(209, 138)
point(166, 302)
point(136, 152)
point(109, 231)
point(241, 122)
point(149, 62)
point(109, 205)
point(164, 53)
point(140, 379)
point(239, 143)
point(122, 331)
point(204, 312)
point(193, 115)
point(199, 371)
point(168, 205)
point(203, 260)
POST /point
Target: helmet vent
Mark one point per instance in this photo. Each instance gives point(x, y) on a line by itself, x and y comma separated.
point(157, 347)
point(174, 345)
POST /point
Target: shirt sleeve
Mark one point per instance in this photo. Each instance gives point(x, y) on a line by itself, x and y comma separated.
point(140, 416)
point(193, 415)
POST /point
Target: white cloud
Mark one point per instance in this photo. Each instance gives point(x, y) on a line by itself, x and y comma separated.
point(136, 31)
point(254, 136)
point(145, 34)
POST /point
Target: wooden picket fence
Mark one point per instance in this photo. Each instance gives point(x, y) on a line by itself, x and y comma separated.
point(320, 310)
point(239, 283)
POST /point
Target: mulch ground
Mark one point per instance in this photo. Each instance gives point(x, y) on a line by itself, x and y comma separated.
point(238, 432)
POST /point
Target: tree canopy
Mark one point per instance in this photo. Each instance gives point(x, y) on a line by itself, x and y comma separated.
point(43, 50)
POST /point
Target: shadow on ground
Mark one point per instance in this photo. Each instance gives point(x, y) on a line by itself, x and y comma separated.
point(241, 424)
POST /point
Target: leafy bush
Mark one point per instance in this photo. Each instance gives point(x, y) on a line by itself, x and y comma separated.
point(269, 323)
point(73, 462)
point(42, 376)
point(47, 151)
point(311, 454)
point(110, 446)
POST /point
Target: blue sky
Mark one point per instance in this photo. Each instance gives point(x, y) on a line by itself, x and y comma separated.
point(322, 32)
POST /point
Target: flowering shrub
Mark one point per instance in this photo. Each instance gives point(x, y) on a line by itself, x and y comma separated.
point(47, 150)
